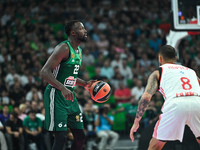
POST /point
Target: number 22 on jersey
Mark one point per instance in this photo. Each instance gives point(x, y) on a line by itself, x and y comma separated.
point(76, 69)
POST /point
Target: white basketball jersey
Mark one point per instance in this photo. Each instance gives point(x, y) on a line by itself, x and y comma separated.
point(177, 80)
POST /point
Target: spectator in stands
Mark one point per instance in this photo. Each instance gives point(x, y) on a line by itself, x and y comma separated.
point(14, 132)
point(142, 41)
point(144, 62)
point(197, 58)
point(103, 44)
point(104, 123)
point(97, 74)
point(2, 86)
point(33, 130)
point(116, 62)
point(88, 119)
point(130, 109)
point(16, 94)
point(31, 82)
point(24, 77)
point(100, 60)
point(106, 70)
point(19, 111)
point(88, 59)
point(52, 46)
point(155, 42)
point(122, 94)
point(125, 70)
point(47, 135)
point(89, 123)
point(141, 73)
point(93, 106)
point(117, 78)
point(137, 90)
point(22, 109)
point(34, 106)
point(5, 115)
point(4, 99)
point(3, 144)
point(151, 114)
point(33, 92)
point(10, 76)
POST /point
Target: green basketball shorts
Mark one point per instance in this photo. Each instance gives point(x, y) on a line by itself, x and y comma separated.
point(61, 114)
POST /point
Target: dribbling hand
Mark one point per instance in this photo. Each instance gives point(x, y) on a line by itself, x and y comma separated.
point(89, 84)
point(68, 95)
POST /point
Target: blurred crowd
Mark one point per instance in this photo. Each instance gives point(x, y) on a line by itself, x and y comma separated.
point(124, 37)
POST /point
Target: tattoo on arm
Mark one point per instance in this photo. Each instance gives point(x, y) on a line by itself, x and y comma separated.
point(143, 103)
point(150, 89)
point(152, 84)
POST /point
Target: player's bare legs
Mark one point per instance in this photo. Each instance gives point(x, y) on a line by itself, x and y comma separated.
point(156, 144)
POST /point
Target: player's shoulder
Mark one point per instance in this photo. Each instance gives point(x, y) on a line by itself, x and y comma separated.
point(62, 46)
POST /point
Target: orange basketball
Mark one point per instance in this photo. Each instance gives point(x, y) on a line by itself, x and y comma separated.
point(100, 91)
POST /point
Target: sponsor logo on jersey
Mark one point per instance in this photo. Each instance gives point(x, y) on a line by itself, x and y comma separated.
point(70, 81)
point(73, 55)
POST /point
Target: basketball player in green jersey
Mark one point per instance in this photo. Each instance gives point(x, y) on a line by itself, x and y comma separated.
point(61, 71)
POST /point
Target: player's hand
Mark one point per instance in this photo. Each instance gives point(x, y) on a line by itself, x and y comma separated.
point(134, 129)
point(68, 95)
point(89, 84)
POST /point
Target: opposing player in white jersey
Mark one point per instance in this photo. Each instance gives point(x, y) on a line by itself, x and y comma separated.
point(180, 88)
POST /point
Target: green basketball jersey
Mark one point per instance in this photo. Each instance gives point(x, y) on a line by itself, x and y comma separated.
point(66, 72)
point(59, 112)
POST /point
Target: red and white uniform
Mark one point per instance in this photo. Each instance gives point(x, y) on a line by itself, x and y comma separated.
point(180, 88)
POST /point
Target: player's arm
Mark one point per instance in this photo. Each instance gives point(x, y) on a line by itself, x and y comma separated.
point(61, 52)
point(81, 82)
point(85, 84)
point(151, 88)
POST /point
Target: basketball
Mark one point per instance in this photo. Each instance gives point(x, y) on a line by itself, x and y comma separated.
point(100, 91)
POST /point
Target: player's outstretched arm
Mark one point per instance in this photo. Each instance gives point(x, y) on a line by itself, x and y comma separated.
point(85, 84)
point(151, 88)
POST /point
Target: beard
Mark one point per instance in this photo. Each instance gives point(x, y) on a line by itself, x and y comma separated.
point(82, 38)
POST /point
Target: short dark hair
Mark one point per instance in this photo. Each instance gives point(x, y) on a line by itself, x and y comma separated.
point(5, 105)
point(69, 25)
point(32, 111)
point(15, 115)
point(167, 52)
